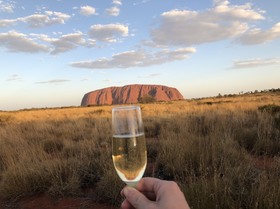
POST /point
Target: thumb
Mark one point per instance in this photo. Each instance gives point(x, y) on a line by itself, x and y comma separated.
point(135, 198)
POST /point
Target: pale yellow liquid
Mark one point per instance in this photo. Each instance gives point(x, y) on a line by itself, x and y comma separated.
point(130, 157)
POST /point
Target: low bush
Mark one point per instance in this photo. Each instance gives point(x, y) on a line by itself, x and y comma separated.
point(270, 108)
point(147, 99)
point(52, 146)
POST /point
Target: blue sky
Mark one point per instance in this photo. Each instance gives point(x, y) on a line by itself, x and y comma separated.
point(53, 52)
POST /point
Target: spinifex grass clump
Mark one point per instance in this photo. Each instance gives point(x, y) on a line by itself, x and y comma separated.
point(50, 157)
point(223, 155)
point(213, 169)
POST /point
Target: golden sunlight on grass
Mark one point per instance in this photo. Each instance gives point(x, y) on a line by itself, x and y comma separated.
point(224, 152)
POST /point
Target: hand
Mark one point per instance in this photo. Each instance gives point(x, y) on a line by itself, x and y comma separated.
point(152, 193)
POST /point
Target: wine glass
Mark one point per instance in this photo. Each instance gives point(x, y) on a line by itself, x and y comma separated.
point(129, 145)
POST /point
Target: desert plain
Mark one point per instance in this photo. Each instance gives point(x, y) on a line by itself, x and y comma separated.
point(224, 152)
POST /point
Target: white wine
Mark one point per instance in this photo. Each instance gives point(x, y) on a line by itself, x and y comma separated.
point(130, 157)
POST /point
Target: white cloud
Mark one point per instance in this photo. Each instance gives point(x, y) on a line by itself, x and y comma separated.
point(65, 42)
point(113, 11)
point(257, 36)
point(139, 58)
point(150, 43)
point(238, 11)
point(87, 10)
point(150, 75)
point(14, 77)
point(68, 42)
point(7, 7)
point(220, 2)
point(7, 22)
point(117, 2)
point(223, 8)
point(49, 18)
point(252, 63)
point(140, 2)
point(54, 81)
point(18, 42)
point(38, 20)
point(185, 27)
point(91, 43)
point(108, 33)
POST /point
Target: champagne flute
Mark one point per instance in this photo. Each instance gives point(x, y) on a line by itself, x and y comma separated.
point(129, 145)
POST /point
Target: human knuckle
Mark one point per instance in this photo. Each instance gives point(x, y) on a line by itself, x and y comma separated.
point(172, 184)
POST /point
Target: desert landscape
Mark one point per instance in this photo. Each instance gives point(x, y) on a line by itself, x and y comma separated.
point(223, 151)
point(205, 74)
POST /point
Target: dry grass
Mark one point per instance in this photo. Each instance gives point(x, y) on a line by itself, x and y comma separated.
point(211, 147)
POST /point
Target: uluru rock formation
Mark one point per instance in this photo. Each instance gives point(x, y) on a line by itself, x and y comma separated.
point(130, 94)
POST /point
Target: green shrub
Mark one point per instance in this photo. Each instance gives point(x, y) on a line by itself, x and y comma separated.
point(147, 99)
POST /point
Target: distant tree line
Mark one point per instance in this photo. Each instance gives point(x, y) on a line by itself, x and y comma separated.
point(249, 92)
